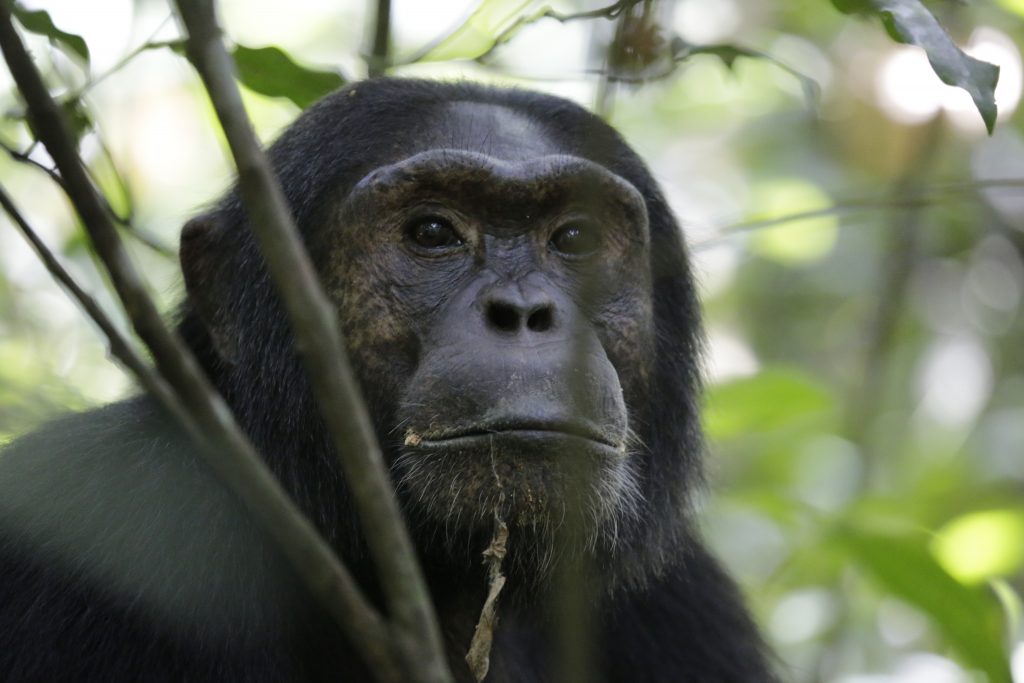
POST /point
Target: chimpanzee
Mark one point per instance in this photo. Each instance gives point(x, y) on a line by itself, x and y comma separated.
point(519, 309)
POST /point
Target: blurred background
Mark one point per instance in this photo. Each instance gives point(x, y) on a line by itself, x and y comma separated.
point(858, 238)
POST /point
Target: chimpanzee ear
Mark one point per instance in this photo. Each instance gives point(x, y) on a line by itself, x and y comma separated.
point(206, 263)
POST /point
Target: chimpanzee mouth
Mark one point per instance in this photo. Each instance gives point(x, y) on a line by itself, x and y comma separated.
point(525, 470)
point(509, 433)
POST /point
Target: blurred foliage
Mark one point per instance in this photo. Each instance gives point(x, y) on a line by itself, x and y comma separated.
point(270, 71)
point(909, 21)
point(861, 263)
point(39, 21)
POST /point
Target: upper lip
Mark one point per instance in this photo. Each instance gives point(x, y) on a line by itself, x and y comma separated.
point(576, 428)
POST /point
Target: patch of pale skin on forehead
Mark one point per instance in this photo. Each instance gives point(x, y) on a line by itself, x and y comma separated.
point(493, 130)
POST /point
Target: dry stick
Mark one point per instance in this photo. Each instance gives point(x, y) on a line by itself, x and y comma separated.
point(479, 656)
point(319, 342)
point(226, 448)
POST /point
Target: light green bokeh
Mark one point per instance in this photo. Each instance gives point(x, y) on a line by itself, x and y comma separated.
point(1015, 6)
point(793, 242)
point(982, 545)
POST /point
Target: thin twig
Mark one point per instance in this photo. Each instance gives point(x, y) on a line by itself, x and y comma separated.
point(209, 419)
point(25, 158)
point(318, 338)
point(608, 12)
point(120, 347)
point(479, 656)
point(927, 196)
point(148, 44)
point(611, 11)
point(127, 223)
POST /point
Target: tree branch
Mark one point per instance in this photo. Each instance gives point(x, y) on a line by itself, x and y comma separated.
point(925, 197)
point(26, 158)
point(208, 418)
point(611, 11)
point(319, 341)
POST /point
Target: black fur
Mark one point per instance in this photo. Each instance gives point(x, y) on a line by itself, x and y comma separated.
point(123, 559)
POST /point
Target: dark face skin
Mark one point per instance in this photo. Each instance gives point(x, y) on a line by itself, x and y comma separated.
point(509, 282)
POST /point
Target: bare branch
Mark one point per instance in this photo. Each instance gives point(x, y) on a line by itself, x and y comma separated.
point(319, 342)
point(608, 12)
point(209, 419)
point(26, 158)
point(927, 196)
point(611, 11)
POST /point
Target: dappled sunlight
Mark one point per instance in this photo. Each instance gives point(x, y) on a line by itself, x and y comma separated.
point(800, 241)
point(803, 615)
point(954, 381)
point(909, 91)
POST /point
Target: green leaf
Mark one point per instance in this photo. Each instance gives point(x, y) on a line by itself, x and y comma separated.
point(477, 35)
point(75, 115)
point(774, 399)
point(39, 22)
point(910, 22)
point(1012, 606)
point(270, 71)
point(970, 619)
point(78, 117)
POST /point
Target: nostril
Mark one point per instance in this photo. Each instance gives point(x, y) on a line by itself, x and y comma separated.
point(540, 320)
point(503, 317)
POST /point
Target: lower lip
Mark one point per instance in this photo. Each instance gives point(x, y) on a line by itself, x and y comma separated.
point(525, 438)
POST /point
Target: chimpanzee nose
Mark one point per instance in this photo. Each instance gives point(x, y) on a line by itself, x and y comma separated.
point(510, 308)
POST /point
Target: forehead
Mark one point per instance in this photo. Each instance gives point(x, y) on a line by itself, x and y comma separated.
point(490, 129)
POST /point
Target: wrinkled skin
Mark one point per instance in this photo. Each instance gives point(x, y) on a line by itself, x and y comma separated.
point(519, 311)
point(514, 346)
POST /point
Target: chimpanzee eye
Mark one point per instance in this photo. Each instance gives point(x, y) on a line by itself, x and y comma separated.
point(576, 239)
point(432, 232)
